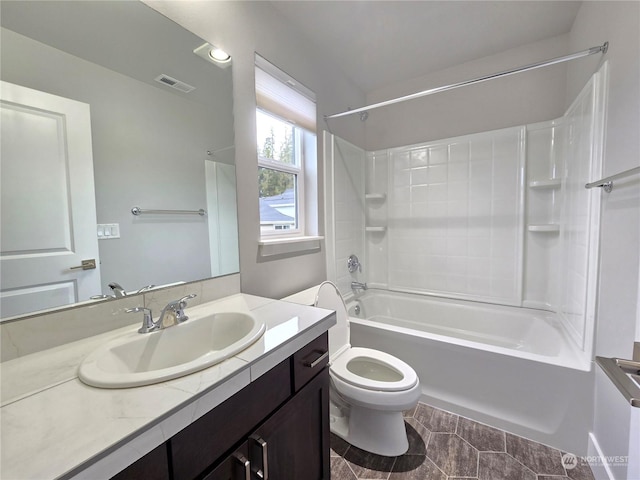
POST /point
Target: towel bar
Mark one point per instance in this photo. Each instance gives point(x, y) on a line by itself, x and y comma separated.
point(607, 183)
point(619, 371)
point(140, 211)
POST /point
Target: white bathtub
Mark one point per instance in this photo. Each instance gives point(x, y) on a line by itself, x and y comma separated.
point(512, 368)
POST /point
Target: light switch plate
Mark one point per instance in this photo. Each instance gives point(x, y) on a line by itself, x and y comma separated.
point(107, 231)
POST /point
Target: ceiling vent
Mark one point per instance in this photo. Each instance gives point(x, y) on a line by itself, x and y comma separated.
point(173, 83)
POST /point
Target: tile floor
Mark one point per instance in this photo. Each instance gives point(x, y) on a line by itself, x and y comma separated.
point(444, 446)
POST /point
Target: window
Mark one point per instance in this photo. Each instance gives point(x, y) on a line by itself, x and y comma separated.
point(280, 173)
point(286, 143)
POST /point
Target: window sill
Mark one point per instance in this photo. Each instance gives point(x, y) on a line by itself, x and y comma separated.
point(281, 246)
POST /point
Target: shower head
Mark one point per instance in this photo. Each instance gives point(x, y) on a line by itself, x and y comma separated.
point(364, 116)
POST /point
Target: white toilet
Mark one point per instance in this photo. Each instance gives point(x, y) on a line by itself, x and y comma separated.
point(369, 388)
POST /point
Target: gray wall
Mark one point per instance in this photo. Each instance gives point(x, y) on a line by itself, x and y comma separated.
point(243, 28)
point(149, 150)
point(619, 23)
point(514, 100)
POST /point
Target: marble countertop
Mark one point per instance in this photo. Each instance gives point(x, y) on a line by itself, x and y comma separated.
point(54, 426)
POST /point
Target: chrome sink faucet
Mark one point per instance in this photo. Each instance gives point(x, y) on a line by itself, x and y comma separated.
point(116, 288)
point(174, 310)
point(118, 291)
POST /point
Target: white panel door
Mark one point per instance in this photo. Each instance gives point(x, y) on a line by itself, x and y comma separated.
point(48, 210)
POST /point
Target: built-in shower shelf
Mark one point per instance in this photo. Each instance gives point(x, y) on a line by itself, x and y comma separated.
point(546, 183)
point(380, 197)
point(375, 229)
point(544, 228)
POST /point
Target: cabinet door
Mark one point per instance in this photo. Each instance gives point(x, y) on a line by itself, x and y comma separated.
point(235, 467)
point(294, 443)
point(200, 445)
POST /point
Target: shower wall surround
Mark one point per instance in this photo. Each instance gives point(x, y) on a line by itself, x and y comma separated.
point(543, 213)
point(376, 218)
point(455, 208)
point(500, 217)
point(345, 235)
point(579, 246)
point(455, 217)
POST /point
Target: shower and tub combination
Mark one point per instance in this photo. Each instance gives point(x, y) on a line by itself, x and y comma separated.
point(480, 257)
point(508, 367)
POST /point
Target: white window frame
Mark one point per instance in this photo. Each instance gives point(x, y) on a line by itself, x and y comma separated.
point(298, 171)
point(284, 98)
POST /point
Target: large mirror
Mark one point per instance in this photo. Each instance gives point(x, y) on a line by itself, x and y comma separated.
point(152, 146)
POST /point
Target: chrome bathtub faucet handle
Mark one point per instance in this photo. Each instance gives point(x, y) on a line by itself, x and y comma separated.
point(353, 264)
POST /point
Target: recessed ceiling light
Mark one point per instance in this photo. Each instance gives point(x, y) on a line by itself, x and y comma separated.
point(213, 54)
point(219, 55)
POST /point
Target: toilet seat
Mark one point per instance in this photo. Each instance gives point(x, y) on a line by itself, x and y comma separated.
point(340, 367)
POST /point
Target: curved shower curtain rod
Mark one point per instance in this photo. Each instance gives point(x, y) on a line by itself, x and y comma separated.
point(584, 53)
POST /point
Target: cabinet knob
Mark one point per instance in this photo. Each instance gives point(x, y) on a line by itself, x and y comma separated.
point(259, 443)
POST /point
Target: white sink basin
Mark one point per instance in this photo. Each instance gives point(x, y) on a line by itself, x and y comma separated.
point(142, 359)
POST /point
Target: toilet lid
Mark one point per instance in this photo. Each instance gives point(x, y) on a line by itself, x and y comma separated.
point(328, 296)
point(373, 370)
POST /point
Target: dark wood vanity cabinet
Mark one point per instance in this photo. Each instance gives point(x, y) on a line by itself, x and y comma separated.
point(294, 442)
point(153, 466)
point(233, 467)
point(201, 444)
point(291, 444)
point(277, 428)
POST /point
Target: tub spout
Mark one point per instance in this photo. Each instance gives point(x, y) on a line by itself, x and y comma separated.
point(358, 286)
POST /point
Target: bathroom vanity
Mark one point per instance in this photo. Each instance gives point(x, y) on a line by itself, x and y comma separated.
point(262, 413)
point(275, 427)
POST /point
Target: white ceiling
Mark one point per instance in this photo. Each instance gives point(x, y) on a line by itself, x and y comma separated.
point(379, 43)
